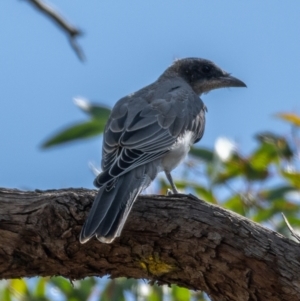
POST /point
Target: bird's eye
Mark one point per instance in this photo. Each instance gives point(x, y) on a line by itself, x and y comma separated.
point(206, 69)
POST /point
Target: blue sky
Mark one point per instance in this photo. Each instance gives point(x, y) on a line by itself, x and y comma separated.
point(128, 44)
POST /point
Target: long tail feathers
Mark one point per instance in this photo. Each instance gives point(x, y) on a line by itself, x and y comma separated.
point(111, 208)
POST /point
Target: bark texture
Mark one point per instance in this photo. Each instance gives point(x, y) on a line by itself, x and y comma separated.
point(173, 240)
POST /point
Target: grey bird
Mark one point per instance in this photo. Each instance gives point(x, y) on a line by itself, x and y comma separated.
point(150, 131)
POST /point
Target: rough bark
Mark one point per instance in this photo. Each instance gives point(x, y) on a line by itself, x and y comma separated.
point(173, 240)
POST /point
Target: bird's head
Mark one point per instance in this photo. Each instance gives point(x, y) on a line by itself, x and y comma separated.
point(204, 75)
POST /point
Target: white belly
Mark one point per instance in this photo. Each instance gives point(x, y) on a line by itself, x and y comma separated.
point(178, 152)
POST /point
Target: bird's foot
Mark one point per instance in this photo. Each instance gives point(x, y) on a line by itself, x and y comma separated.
point(177, 193)
point(174, 192)
point(171, 192)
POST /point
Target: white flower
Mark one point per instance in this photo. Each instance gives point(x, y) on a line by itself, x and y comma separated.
point(224, 148)
point(82, 103)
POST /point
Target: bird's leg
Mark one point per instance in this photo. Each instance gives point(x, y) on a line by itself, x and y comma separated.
point(174, 189)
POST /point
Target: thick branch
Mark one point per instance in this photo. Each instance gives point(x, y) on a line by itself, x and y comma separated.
point(59, 20)
point(178, 239)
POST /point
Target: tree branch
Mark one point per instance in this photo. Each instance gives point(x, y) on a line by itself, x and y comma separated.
point(59, 20)
point(173, 240)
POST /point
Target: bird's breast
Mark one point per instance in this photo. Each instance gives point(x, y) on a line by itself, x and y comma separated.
point(178, 151)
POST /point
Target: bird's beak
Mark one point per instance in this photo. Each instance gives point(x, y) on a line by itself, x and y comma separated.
point(230, 81)
point(223, 81)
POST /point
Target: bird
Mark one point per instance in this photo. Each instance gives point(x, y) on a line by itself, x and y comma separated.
point(148, 132)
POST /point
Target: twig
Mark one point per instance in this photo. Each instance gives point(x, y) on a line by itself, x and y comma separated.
point(290, 228)
point(68, 28)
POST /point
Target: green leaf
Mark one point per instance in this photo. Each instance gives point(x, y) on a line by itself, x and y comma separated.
point(293, 177)
point(263, 156)
point(280, 144)
point(180, 293)
point(199, 296)
point(79, 131)
point(203, 154)
point(19, 286)
point(253, 174)
point(231, 169)
point(263, 215)
point(113, 291)
point(99, 112)
point(62, 284)
point(275, 202)
point(40, 287)
point(275, 193)
point(96, 111)
point(206, 194)
point(127, 284)
point(5, 294)
point(239, 167)
point(156, 293)
point(235, 203)
point(81, 290)
point(276, 207)
point(293, 219)
point(289, 117)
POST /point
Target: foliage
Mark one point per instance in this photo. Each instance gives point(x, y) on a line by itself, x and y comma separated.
point(93, 127)
point(259, 185)
point(91, 289)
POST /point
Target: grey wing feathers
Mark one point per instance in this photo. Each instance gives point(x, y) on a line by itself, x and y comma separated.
point(141, 130)
point(112, 206)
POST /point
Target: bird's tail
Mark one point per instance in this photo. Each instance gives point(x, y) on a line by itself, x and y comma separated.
point(111, 208)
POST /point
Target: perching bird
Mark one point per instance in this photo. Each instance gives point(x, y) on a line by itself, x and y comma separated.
point(150, 131)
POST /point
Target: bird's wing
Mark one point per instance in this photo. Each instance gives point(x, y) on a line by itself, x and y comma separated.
point(143, 129)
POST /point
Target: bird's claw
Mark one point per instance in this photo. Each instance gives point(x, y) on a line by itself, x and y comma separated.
point(172, 192)
point(169, 192)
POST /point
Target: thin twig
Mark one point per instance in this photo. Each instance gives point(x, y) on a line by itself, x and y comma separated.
point(290, 228)
point(68, 28)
